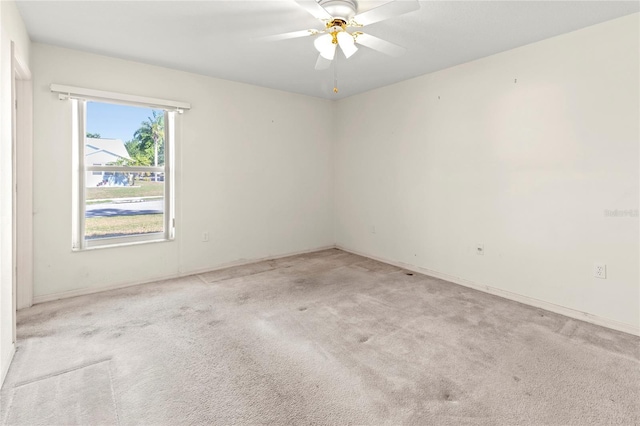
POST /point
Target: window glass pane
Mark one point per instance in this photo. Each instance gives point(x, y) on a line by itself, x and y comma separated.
point(119, 203)
point(124, 135)
point(124, 210)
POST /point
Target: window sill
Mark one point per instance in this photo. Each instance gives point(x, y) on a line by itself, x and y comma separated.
point(122, 243)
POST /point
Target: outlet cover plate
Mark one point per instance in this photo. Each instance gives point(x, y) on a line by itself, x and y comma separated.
point(600, 270)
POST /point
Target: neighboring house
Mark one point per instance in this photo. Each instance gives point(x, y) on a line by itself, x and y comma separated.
point(103, 152)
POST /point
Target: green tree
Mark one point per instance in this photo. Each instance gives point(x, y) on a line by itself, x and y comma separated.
point(150, 137)
point(133, 148)
point(147, 146)
point(93, 135)
point(136, 158)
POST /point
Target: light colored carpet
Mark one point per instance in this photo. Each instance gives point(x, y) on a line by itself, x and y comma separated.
point(80, 395)
point(323, 338)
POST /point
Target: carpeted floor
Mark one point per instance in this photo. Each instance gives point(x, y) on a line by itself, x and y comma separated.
point(323, 338)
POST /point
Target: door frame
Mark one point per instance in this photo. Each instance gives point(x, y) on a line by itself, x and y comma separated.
point(22, 141)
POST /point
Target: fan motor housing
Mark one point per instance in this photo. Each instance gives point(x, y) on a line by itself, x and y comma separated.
point(343, 9)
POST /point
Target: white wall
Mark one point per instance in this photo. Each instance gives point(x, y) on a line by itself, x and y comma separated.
point(11, 30)
point(15, 29)
point(253, 169)
point(466, 155)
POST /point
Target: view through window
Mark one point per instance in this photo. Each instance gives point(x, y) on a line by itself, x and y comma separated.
point(124, 163)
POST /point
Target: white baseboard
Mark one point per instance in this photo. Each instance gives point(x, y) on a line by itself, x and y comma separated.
point(85, 291)
point(92, 290)
point(548, 306)
point(5, 368)
point(242, 262)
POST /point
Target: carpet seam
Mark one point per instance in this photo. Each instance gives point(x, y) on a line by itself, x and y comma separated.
point(58, 373)
point(6, 415)
point(113, 393)
point(241, 276)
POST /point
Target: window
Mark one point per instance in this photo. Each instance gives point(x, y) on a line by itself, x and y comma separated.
point(122, 194)
point(123, 167)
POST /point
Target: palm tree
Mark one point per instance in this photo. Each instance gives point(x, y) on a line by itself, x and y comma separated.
point(150, 136)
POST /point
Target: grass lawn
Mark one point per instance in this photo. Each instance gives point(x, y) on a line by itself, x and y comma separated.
point(116, 226)
point(141, 189)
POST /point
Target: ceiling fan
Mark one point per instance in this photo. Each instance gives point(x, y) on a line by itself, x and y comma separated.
point(338, 17)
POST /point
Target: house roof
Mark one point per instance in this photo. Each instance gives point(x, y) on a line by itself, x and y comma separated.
point(115, 147)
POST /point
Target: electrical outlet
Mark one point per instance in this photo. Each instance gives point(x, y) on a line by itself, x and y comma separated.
point(600, 270)
point(373, 229)
point(205, 237)
point(480, 249)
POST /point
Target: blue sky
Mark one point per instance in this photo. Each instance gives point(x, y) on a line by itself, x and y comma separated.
point(115, 121)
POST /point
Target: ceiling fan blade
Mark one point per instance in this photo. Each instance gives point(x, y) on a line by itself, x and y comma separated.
point(380, 45)
point(386, 11)
point(286, 36)
point(322, 63)
point(314, 9)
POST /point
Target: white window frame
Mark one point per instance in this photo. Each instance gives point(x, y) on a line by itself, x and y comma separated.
point(78, 98)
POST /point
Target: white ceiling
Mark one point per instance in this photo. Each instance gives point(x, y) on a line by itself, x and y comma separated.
point(217, 38)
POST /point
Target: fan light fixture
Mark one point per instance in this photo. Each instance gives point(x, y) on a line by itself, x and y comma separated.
point(325, 45)
point(347, 43)
point(337, 36)
point(339, 15)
